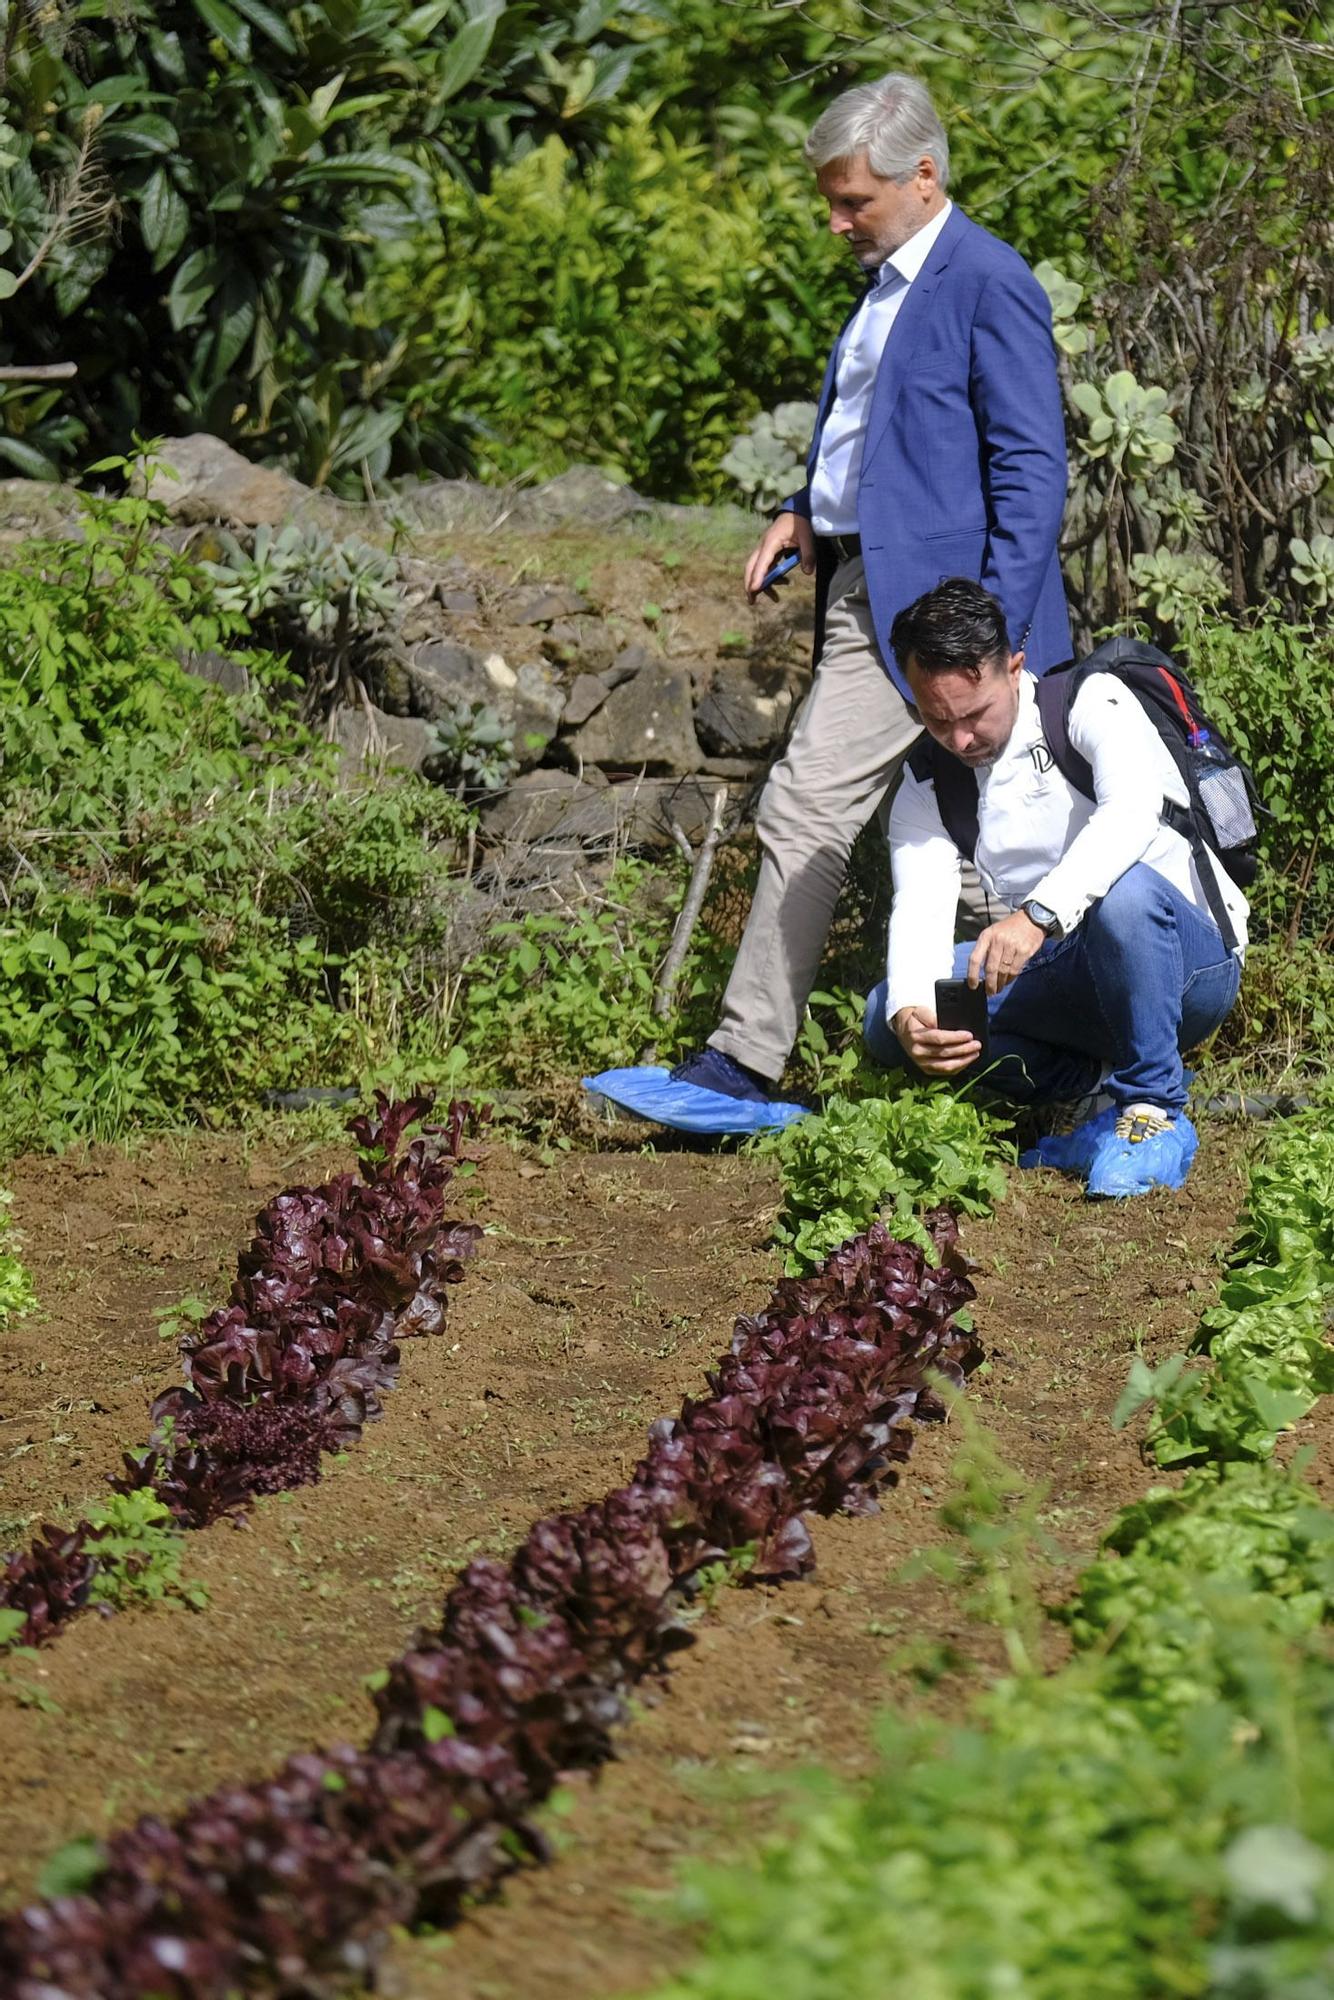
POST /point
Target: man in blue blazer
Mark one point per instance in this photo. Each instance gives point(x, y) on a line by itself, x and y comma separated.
point(939, 450)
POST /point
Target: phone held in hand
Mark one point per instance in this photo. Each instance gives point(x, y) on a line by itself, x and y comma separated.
point(781, 569)
point(960, 1006)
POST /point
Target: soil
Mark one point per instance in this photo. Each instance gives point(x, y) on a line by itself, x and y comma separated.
point(607, 1282)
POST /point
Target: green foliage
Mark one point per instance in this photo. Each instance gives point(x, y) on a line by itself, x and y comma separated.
point(1266, 1337)
point(299, 575)
point(890, 1157)
point(1127, 424)
point(1147, 1817)
point(139, 1550)
point(1174, 1558)
point(630, 312)
point(197, 911)
point(569, 993)
point(1270, 688)
point(254, 160)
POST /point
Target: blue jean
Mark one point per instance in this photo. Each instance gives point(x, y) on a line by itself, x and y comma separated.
point(1144, 976)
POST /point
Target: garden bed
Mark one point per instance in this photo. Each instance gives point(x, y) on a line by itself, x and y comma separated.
point(608, 1284)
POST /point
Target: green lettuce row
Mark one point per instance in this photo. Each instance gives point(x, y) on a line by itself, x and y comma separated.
point(1267, 1338)
point(1157, 1818)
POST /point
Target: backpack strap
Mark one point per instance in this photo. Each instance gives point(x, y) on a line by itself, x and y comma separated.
point(956, 791)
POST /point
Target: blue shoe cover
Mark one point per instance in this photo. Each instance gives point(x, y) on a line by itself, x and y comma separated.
point(1072, 1152)
point(655, 1094)
point(1124, 1167)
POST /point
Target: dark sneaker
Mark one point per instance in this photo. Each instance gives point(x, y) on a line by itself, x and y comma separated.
point(710, 1069)
point(1146, 1148)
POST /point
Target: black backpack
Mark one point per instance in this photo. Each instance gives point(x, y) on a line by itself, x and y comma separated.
point(1223, 799)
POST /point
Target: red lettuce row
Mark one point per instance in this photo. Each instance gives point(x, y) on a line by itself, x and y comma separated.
point(300, 1356)
point(287, 1887)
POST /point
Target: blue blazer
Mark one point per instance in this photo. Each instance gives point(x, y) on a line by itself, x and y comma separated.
point(964, 467)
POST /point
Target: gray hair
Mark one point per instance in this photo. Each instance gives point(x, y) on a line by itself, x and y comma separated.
point(892, 121)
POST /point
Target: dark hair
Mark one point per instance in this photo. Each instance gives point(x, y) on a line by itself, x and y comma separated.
point(956, 628)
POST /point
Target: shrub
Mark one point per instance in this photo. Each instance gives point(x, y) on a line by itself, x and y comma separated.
point(633, 314)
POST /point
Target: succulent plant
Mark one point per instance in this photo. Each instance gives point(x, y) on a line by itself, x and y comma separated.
point(768, 459)
point(475, 749)
point(1128, 424)
point(1313, 567)
point(1176, 586)
point(1065, 297)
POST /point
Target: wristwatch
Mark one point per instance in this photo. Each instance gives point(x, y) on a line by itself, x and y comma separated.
point(1045, 919)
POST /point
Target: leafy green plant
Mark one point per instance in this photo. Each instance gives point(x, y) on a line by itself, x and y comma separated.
point(1269, 1356)
point(570, 992)
point(1170, 1559)
point(139, 1549)
point(1177, 588)
point(890, 1157)
point(301, 590)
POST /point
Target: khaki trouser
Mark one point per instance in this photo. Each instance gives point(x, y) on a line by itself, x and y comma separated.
point(841, 765)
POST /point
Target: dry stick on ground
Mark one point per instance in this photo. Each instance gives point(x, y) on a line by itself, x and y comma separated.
point(51, 371)
point(690, 909)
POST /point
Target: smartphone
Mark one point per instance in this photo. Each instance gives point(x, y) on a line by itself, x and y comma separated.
point(781, 569)
point(959, 1005)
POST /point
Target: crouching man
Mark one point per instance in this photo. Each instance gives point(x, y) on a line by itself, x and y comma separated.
point(1117, 953)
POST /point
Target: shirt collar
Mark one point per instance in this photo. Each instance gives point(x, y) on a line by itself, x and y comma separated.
point(906, 262)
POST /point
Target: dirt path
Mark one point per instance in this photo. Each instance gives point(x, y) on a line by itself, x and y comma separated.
point(607, 1283)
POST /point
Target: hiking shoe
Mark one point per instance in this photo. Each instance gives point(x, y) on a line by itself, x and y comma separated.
point(710, 1069)
point(1072, 1151)
point(1147, 1147)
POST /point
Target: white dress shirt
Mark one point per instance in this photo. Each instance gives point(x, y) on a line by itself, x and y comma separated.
point(1038, 836)
point(839, 464)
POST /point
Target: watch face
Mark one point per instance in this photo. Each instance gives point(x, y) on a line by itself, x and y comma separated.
point(1041, 915)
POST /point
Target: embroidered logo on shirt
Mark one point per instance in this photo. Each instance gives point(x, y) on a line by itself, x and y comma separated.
point(1042, 757)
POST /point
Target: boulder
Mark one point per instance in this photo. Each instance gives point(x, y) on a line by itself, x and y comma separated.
point(743, 713)
point(584, 699)
point(646, 723)
point(443, 676)
point(535, 707)
point(539, 604)
point(555, 813)
point(221, 670)
point(371, 739)
point(534, 805)
point(588, 643)
point(199, 478)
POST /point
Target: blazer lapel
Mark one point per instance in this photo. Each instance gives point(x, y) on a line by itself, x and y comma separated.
point(904, 335)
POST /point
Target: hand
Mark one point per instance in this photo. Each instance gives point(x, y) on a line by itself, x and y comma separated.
point(1003, 950)
point(938, 1051)
point(789, 531)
